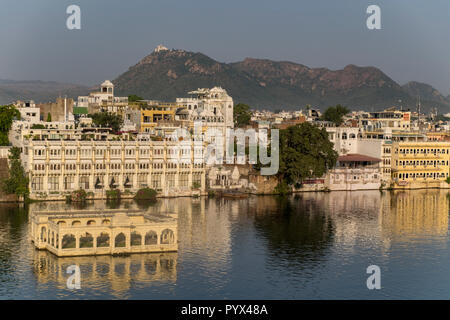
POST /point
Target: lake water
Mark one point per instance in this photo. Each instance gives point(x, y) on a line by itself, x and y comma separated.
point(306, 246)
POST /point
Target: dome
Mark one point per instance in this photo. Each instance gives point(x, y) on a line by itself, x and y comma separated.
point(107, 83)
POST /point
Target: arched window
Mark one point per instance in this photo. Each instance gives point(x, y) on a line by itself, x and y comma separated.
point(91, 223)
point(167, 237)
point(43, 234)
point(120, 241)
point(68, 241)
point(106, 222)
point(151, 238)
point(344, 136)
point(86, 241)
point(62, 223)
point(103, 240)
point(136, 239)
point(76, 223)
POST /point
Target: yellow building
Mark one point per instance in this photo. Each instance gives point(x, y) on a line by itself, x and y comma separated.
point(420, 164)
point(153, 114)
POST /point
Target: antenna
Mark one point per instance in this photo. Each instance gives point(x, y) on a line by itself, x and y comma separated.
point(65, 108)
point(418, 108)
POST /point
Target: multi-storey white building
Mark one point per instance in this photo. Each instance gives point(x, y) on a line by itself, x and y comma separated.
point(214, 107)
point(57, 168)
point(103, 100)
point(28, 111)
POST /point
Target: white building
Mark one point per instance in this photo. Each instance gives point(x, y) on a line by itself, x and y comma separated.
point(214, 107)
point(103, 99)
point(56, 168)
point(28, 111)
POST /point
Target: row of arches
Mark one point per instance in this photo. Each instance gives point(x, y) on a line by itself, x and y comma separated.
point(103, 240)
point(74, 223)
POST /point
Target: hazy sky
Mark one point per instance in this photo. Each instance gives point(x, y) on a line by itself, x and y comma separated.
point(414, 43)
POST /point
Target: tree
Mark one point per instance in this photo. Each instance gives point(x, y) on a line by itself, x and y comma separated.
point(49, 117)
point(145, 194)
point(335, 114)
point(7, 114)
point(17, 183)
point(37, 126)
point(241, 115)
point(107, 120)
point(134, 98)
point(305, 152)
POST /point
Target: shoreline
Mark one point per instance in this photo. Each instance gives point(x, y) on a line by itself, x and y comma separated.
point(63, 199)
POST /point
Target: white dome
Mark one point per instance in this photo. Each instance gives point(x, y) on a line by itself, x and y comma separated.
point(107, 83)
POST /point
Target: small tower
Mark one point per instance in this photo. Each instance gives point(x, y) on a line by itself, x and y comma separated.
point(107, 87)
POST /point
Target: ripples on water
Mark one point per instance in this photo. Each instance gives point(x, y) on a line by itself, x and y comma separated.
point(307, 246)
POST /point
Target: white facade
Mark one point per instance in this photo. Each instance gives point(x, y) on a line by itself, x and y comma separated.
point(57, 168)
point(214, 107)
point(104, 99)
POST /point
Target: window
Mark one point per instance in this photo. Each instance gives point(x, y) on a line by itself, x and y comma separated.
point(37, 183)
point(84, 182)
point(53, 183)
point(68, 182)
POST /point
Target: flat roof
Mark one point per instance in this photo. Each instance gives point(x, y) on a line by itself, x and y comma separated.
point(355, 157)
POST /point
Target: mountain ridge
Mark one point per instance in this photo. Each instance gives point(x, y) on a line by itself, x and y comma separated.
point(264, 83)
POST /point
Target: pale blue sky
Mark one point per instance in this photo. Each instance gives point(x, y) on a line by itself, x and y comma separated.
point(36, 45)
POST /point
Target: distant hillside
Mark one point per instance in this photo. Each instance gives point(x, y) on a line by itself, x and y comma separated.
point(39, 91)
point(167, 74)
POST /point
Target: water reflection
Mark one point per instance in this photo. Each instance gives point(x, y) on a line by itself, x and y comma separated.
point(296, 229)
point(310, 245)
point(407, 215)
point(114, 274)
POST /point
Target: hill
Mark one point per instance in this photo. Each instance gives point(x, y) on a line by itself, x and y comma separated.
point(168, 74)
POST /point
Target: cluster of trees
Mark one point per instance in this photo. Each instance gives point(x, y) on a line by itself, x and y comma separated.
point(305, 152)
point(7, 115)
point(107, 120)
point(241, 115)
point(17, 183)
point(134, 98)
point(335, 114)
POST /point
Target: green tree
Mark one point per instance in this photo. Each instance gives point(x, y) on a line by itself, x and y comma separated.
point(49, 117)
point(7, 114)
point(134, 98)
point(335, 114)
point(37, 126)
point(107, 120)
point(305, 152)
point(145, 194)
point(17, 183)
point(241, 115)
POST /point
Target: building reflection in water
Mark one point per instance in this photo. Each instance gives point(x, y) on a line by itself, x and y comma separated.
point(204, 233)
point(303, 226)
point(406, 215)
point(298, 233)
point(117, 273)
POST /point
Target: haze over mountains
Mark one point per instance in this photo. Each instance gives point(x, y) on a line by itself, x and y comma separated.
point(39, 91)
point(261, 83)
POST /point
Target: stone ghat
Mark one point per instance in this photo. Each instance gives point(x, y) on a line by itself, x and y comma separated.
point(108, 232)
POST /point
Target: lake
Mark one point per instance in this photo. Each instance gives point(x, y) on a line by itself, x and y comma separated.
point(304, 246)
